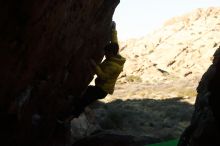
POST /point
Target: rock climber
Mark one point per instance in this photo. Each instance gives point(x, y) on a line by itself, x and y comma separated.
point(107, 73)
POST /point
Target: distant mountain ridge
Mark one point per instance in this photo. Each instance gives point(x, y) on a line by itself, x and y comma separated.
point(181, 48)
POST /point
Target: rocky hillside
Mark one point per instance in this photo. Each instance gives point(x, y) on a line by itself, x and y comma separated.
point(181, 48)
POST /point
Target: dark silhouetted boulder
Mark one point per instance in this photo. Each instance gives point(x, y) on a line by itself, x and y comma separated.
point(45, 46)
point(204, 129)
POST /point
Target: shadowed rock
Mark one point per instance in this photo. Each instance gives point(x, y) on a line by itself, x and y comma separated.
point(113, 139)
point(204, 128)
point(44, 51)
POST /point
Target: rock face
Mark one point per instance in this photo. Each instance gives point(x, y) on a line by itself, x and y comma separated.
point(204, 127)
point(44, 49)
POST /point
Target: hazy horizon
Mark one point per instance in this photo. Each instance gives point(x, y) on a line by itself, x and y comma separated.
point(138, 18)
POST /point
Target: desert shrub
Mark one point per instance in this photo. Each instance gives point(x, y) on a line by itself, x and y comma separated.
point(133, 78)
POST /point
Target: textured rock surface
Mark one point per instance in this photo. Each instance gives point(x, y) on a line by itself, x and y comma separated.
point(44, 51)
point(84, 125)
point(204, 127)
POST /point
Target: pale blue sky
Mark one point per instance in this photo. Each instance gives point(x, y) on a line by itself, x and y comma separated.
point(136, 18)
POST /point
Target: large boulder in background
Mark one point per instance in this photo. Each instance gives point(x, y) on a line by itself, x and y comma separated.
point(45, 47)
